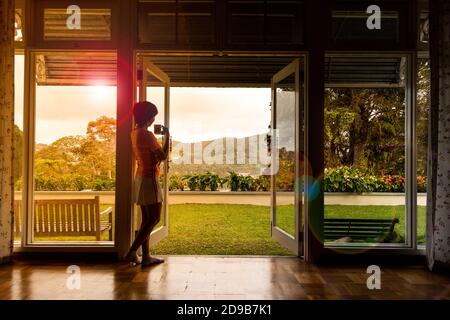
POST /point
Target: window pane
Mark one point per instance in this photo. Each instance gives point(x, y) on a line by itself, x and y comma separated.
point(365, 165)
point(18, 144)
point(352, 26)
point(285, 176)
point(75, 141)
point(94, 24)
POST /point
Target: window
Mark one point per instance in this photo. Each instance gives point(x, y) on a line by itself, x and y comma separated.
point(366, 176)
point(351, 26)
point(177, 22)
point(84, 23)
point(95, 24)
point(265, 22)
point(74, 148)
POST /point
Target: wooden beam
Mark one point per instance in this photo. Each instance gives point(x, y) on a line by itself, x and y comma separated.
point(125, 97)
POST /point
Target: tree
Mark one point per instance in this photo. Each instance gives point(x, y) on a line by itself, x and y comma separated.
point(100, 144)
point(79, 162)
point(102, 129)
point(365, 128)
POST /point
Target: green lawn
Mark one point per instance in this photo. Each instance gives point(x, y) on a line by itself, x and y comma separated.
point(223, 229)
point(245, 229)
point(219, 229)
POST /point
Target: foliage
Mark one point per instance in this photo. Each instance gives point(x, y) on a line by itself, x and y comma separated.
point(209, 180)
point(77, 162)
point(349, 179)
point(176, 182)
point(233, 181)
point(421, 184)
point(193, 181)
point(72, 182)
point(365, 128)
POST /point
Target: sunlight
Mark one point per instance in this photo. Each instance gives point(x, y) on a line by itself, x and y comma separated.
point(99, 91)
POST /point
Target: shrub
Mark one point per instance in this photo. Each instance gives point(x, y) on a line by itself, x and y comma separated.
point(394, 183)
point(237, 182)
point(193, 181)
point(103, 184)
point(421, 184)
point(233, 181)
point(348, 179)
point(262, 183)
point(247, 183)
point(73, 182)
point(176, 182)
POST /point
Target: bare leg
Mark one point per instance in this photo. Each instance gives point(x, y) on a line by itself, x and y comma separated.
point(148, 222)
point(154, 214)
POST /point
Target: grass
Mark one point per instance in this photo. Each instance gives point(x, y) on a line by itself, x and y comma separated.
point(379, 212)
point(224, 229)
point(245, 229)
point(218, 229)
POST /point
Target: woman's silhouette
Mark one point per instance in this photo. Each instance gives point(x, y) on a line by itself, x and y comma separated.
point(148, 196)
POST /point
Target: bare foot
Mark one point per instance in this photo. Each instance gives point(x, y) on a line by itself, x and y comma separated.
point(150, 261)
point(133, 258)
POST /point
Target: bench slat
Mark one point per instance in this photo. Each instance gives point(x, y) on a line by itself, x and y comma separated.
point(66, 217)
point(358, 228)
point(357, 220)
point(355, 229)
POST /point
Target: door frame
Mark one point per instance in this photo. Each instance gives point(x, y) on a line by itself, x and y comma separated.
point(143, 67)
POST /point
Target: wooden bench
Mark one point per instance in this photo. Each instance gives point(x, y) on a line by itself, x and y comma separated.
point(66, 218)
point(378, 229)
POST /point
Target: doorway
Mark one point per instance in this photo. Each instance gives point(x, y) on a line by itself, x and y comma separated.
point(160, 77)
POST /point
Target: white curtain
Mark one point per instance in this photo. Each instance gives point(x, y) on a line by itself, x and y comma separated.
point(438, 189)
point(6, 126)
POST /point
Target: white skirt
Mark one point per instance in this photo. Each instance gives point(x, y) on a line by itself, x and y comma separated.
point(147, 190)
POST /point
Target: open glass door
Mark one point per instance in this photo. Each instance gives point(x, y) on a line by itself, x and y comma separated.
point(287, 157)
point(154, 86)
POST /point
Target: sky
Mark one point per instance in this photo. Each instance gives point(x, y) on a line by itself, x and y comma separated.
point(196, 114)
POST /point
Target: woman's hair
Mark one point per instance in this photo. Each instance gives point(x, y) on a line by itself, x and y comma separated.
point(143, 111)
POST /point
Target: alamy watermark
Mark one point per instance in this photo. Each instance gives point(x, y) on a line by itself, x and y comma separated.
point(374, 280)
point(73, 22)
point(374, 20)
point(260, 150)
point(73, 281)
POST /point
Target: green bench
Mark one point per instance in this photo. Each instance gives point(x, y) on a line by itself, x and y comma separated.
point(358, 229)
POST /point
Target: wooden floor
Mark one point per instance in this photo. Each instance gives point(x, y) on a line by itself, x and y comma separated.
point(219, 278)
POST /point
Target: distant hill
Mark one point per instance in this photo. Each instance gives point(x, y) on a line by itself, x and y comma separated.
point(240, 155)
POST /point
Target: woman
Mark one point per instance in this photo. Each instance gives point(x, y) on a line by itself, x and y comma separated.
point(148, 196)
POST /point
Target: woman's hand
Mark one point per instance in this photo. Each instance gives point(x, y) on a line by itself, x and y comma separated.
point(166, 139)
